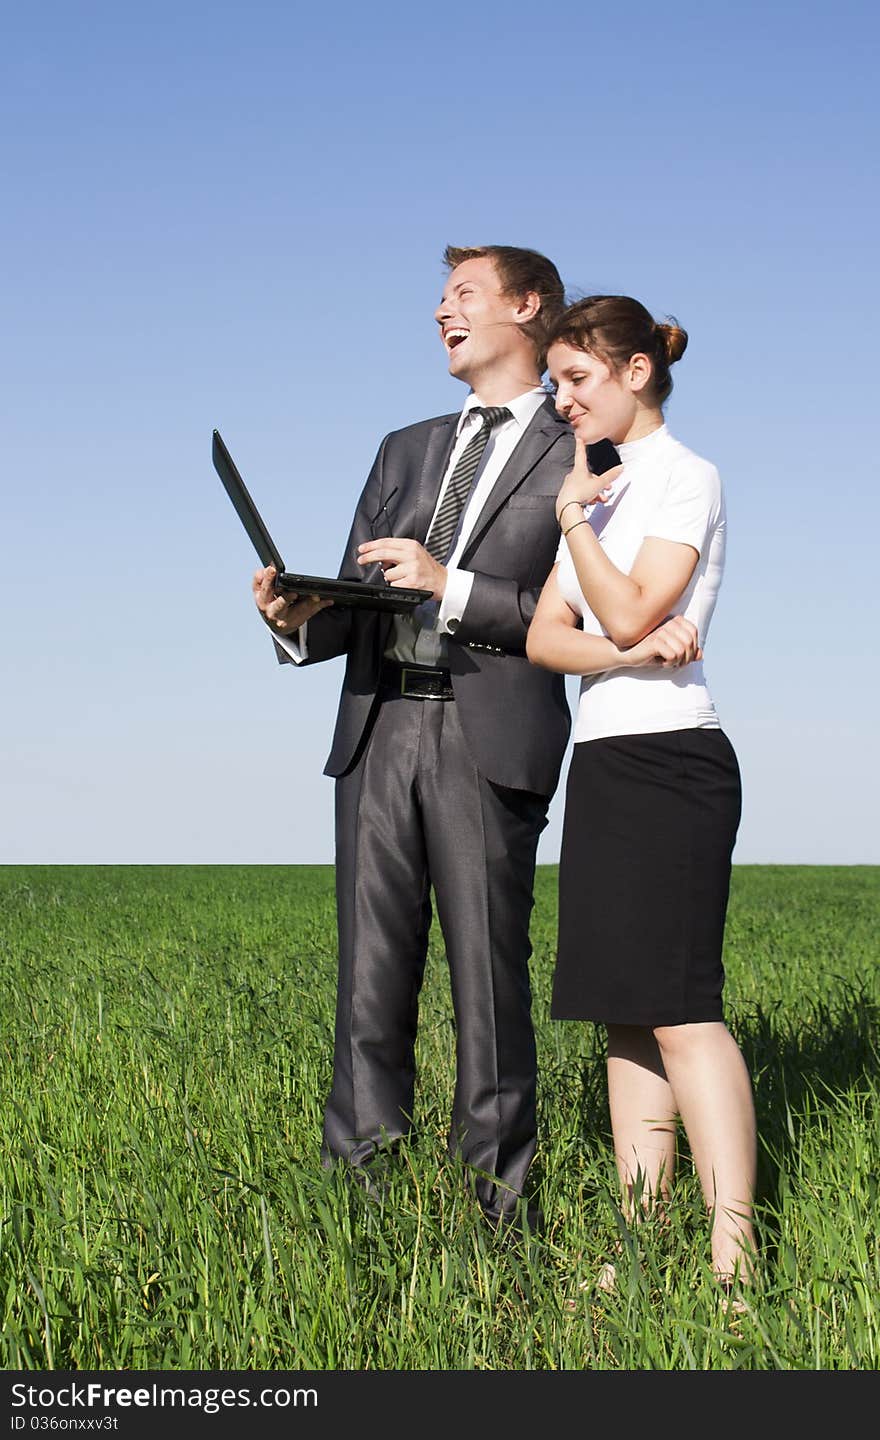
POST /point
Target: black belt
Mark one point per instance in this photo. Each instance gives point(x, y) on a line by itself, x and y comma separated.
point(416, 682)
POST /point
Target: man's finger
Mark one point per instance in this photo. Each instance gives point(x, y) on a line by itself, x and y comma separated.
point(378, 549)
point(384, 551)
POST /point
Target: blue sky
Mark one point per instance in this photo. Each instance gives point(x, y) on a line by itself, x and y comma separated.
point(219, 215)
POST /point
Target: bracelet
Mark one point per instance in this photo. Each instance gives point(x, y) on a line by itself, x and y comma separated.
point(565, 507)
point(575, 526)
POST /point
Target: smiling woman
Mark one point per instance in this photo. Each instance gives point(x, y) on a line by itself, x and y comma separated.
point(653, 796)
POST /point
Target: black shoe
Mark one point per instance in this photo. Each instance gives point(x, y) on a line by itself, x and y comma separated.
point(372, 1176)
point(523, 1223)
point(375, 1184)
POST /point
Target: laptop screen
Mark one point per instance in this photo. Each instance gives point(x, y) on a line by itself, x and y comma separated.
point(247, 511)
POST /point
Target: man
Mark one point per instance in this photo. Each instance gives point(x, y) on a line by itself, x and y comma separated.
point(448, 742)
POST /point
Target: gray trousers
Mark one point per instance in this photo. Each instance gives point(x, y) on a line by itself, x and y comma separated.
point(414, 813)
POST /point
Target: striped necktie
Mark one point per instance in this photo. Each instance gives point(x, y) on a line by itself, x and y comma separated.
point(446, 520)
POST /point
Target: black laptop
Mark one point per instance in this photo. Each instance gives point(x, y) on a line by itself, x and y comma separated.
point(342, 592)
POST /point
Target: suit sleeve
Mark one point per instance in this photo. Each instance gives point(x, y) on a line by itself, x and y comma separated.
point(329, 632)
point(498, 612)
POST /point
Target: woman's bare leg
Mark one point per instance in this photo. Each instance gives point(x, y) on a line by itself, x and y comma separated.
point(713, 1091)
point(643, 1117)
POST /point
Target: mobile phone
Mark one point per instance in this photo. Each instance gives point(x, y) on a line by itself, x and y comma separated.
point(602, 456)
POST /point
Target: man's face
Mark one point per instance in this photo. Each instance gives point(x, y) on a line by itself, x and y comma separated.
point(478, 324)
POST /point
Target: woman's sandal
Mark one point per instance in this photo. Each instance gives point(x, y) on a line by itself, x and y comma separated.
point(605, 1281)
point(731, 1295)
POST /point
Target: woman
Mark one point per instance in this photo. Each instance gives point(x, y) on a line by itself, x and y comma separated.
point(653, 794)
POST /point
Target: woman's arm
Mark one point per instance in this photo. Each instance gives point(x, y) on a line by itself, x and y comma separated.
point(555, 642)
point(630, 606)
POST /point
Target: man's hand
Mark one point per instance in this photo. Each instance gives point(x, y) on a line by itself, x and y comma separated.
point(581, 485)
point(405, 562)
point(672, 645)
point(283, 613)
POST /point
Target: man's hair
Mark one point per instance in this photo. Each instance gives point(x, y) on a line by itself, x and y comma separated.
point(521, 271)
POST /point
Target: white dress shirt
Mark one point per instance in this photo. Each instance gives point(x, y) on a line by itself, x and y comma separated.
point(419, 638)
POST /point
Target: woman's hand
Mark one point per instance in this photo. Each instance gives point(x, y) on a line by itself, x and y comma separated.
point(581, 485)
point(672, 645)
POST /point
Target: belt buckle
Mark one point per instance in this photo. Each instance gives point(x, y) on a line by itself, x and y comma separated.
point(426, 675)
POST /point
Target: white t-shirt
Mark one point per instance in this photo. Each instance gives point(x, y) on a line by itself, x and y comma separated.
point(665, 490)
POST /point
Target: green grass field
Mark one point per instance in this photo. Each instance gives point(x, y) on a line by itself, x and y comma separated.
point(166, 1048)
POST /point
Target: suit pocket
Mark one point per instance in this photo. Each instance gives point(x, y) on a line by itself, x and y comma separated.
point(529, 502)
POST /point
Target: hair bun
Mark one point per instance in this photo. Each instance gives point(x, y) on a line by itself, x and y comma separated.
point(674, 340)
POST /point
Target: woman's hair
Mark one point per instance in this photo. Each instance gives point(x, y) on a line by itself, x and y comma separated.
point(614, 327)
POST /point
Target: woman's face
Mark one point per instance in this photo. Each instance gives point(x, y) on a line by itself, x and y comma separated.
point(599, 403)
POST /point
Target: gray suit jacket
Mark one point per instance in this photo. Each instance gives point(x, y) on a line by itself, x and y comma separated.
point(515, 716)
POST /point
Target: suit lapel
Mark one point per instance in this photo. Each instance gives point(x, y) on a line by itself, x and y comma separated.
point(544, 429)
point(436, 458)
point(418, 502)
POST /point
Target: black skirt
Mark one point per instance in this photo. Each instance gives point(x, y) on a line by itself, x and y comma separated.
point(644, 875)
